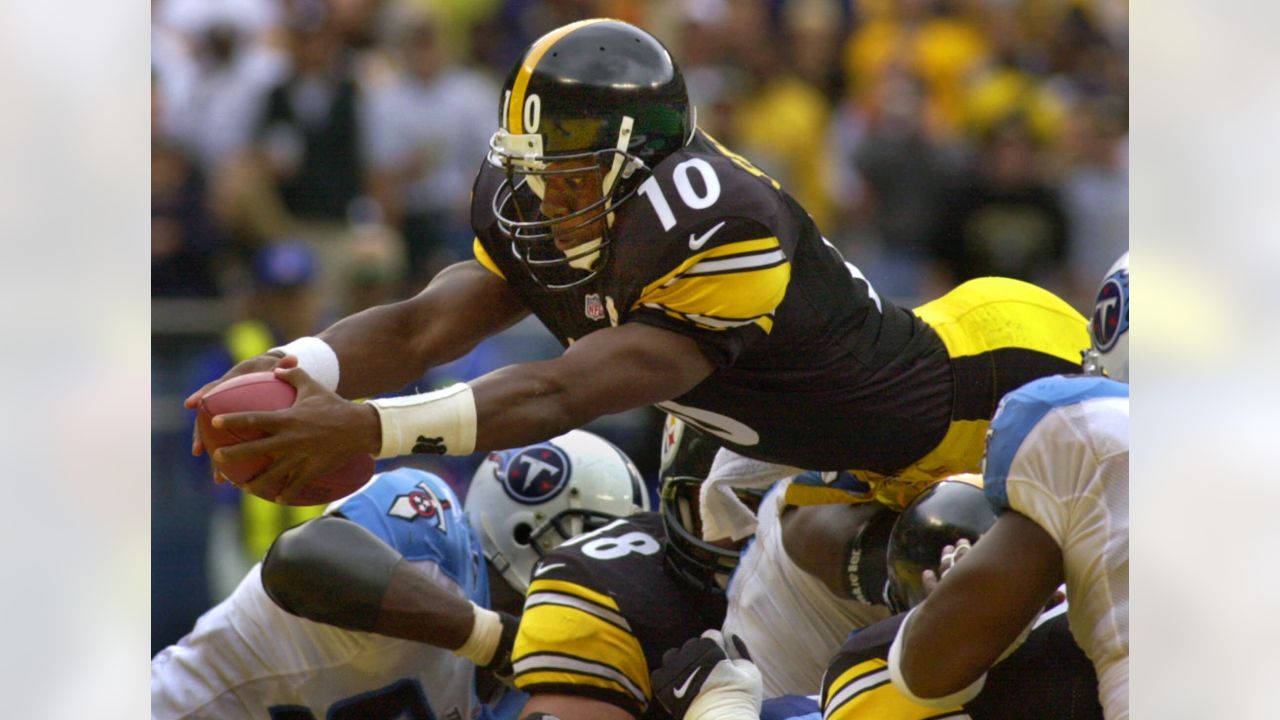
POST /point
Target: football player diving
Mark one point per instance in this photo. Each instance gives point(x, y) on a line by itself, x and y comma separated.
point(384, 606)
point(675, 273)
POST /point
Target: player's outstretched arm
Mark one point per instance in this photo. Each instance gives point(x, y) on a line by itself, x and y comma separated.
point(331, 570)
point(949, 641)
point(608, 371)
point(386, 347)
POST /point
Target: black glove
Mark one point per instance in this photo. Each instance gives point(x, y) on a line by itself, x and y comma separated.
point(500, 665)
point(684, 671)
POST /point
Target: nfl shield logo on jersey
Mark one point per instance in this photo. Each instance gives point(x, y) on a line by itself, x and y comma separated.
point(594, 308)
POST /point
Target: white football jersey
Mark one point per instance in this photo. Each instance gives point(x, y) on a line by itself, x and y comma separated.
point(247, 658)
point(791, 622)
point(1059, 453)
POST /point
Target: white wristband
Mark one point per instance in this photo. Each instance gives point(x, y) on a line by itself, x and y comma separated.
point(484, 638)
point(441, 422)
point(316, 357)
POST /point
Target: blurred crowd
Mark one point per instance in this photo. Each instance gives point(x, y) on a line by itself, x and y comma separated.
point(311, 158)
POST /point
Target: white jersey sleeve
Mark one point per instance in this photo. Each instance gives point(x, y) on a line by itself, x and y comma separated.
point(1059, 454)
point(769, 591)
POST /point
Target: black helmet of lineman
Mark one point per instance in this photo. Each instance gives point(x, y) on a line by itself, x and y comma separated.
point(687, 455)
point(601, 90)
point(943, 514)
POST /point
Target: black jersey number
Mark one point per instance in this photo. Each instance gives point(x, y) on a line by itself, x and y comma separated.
point(689, 195)
point(401, 700)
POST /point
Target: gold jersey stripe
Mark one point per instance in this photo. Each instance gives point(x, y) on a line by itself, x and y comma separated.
point(711, 323)
point(571, 588)
point(515, 106)
point(864, 692)
point(580, 639)
point(550, 598)
point(737, 248)
point(548, 668)
point(482, 257)
point(867, 667)
point(749, 294)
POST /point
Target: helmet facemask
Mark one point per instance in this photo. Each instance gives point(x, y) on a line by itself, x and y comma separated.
point(531, 161)
point(703, 565)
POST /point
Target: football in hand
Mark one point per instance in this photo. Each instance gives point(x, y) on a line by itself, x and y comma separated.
point(264, 391)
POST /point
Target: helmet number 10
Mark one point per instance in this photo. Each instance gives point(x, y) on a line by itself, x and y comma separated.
point(684, 187)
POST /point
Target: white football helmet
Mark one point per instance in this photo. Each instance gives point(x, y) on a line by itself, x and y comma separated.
point(1109, 328)
point(525, 501)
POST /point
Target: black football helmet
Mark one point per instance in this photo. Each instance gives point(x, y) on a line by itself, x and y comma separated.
point(687, 455)
point(943, 514)
point(599, 90)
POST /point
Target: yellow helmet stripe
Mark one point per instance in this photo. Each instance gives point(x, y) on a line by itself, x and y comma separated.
point(515, 106)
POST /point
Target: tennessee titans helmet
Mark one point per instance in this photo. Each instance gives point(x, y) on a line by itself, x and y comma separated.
point(525, 501)
point(944, 513)
point(1109, 328)
point(600, 92)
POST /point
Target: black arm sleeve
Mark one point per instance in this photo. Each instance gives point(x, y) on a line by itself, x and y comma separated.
point(329, 570)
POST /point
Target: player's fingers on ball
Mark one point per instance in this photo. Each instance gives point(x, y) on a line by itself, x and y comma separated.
point(292, 486)
point(268, 421)
point(245, 450)
point(193, 400)
point(288, 361)
point(270, 482)
point(296, 377)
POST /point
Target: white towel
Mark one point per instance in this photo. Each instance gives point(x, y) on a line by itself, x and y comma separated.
point(723, 514)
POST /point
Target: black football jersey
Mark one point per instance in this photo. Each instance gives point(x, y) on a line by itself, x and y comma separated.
point(601, 611)
point(1047, 678)
point(814, 369)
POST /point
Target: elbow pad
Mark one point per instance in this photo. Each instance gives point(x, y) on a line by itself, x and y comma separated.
point(329, 570)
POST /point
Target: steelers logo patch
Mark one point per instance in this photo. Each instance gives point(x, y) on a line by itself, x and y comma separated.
point(1111, 311)
point(536, 474)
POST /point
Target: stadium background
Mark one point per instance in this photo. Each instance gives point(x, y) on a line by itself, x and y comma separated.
point(932, 140)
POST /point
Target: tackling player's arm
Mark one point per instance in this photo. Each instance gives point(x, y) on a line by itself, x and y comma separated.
point(951, 639)
point(331, 570)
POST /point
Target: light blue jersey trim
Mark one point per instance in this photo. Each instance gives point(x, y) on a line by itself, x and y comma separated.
point(420, 516)
point(1021, 410)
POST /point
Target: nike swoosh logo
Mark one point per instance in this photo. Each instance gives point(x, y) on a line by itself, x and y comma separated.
point(543, 568)
point(697, 241)
point(684, 686)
